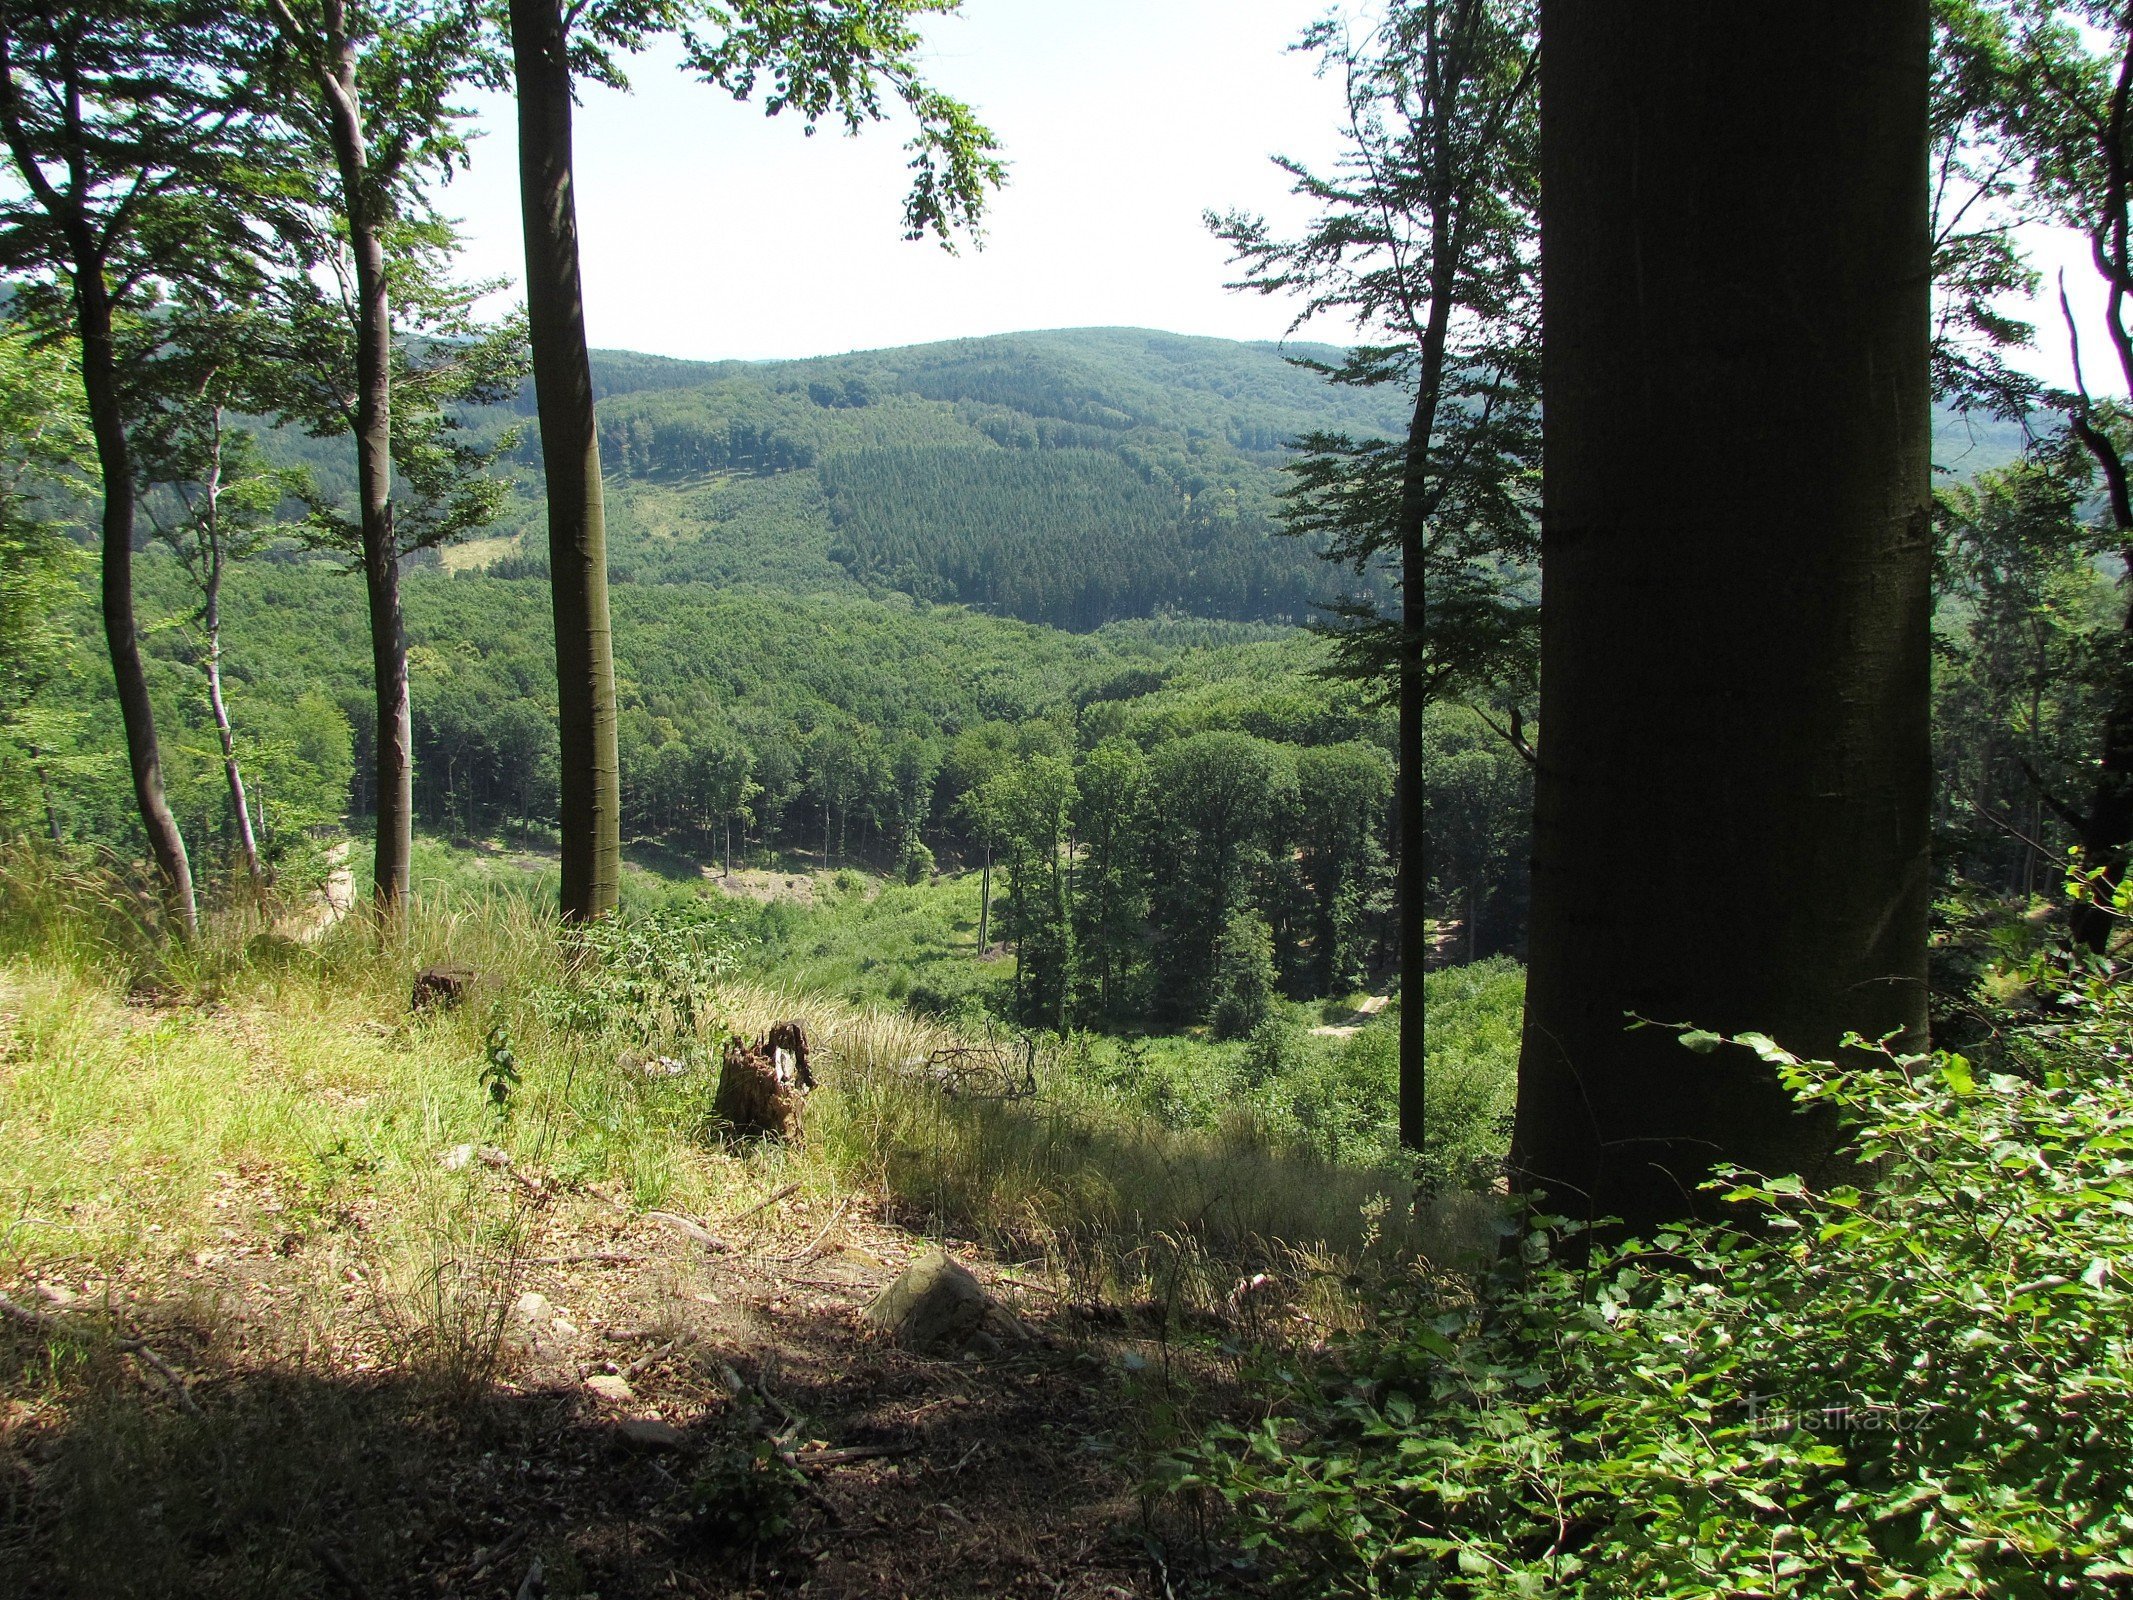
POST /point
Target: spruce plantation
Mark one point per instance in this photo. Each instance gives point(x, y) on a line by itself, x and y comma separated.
point(1477, 947)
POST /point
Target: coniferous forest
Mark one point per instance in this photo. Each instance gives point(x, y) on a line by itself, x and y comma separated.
point(1478, 952)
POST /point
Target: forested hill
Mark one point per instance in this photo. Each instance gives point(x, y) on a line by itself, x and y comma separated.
point(1072, 478)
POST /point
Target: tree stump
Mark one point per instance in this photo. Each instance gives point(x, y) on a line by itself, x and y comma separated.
point(762, 1089)
point(441, 988)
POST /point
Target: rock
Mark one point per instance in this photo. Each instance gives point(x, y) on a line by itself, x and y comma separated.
point(536, 1327)
point(935, 1305)
point(441, 988)
point(461, 1154)
point(609, 1387)
point(652, 1433)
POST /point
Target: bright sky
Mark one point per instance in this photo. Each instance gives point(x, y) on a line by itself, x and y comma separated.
point(710, 231)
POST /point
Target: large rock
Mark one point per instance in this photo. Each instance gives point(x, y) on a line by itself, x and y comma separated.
point(935, 1305)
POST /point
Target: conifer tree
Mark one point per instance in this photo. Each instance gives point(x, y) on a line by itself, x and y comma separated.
point(1425, 240)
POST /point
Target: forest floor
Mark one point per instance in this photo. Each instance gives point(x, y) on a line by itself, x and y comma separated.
point(268, 1326)
point(621, 1444)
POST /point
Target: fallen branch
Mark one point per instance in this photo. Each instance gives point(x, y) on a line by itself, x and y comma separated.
point(690, 1227)
point(804, 1459)
point(761, 1206)
point(836, 1217)
point(49, 1325)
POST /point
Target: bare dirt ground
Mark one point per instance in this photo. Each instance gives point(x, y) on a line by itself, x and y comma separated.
point(629, 1442)
point(1366, 1008)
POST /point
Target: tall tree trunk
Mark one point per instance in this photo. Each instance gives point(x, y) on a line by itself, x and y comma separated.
point(232, 774)
point(570, 447)
point(366, 212)
point(1732, 799)
point(114, 458)
point(1411, 790)
point(985, 900)
point(211, 625)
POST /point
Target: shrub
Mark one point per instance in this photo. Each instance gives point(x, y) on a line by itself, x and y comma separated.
point(1915, 1388)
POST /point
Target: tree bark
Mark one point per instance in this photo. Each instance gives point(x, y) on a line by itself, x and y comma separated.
point(1411, 790)
point(366, 212)
point(1732, 798)
point(211, 625)
point(570, 446)
point(114, 458)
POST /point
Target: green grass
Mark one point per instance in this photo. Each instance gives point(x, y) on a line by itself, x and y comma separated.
point(149, 1098)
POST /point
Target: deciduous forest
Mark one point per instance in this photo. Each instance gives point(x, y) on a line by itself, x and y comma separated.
point(1480, 961)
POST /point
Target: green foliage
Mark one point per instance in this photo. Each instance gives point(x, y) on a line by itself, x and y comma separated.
point(2025, 626)
point(1243, 984)
point(747, 1495)
point(1909, 1383)
point(649, 978)
point(499, 1072)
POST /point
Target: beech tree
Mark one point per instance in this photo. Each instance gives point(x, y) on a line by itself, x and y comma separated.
point(367, 85)
point(138, 157)
point(1425, 239)
point(218, 506)
point(1734, 765)
point(823, 59)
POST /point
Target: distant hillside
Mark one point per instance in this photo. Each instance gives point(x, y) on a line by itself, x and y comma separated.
point(1073, 478)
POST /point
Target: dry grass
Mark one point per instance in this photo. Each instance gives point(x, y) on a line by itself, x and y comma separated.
point(295, 1076)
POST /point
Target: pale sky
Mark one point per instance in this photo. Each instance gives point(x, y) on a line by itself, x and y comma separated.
point(710, 231)
point(713, 232)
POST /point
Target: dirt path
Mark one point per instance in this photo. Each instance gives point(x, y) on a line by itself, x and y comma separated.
point(624, 1445)
point(1366, 1008)
point(336, 899)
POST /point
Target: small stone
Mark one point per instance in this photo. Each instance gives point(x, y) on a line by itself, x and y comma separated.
point(610, 1387)
point(652, 1433)
point(533, 1307)
point(456, 1157)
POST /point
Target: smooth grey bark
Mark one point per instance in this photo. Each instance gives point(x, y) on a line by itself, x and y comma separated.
point(1732, 796)
point(591, 810)
point(366, 211)
point(211, 624)
point(114, 458)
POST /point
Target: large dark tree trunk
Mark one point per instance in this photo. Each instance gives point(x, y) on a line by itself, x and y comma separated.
point(114, 457)
point(1732, 798)
point(570, 446)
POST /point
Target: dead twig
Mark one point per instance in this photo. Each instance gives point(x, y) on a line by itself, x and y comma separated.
point(49, 1325)
point(839, 1455)
point(815, 1244)
point(643, 1363)
point(762, 1206)
point(689, 1227)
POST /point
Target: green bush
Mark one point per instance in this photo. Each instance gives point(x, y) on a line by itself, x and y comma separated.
point(1916, 1388)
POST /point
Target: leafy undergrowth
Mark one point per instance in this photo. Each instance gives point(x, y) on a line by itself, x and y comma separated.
point(309, 1286)
point(1913, 1388)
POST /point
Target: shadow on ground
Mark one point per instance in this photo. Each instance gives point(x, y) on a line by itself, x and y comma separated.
point(946, 1478)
